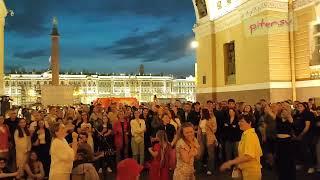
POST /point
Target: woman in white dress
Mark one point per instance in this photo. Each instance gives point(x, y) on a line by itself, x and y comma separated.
point(23, 144)
point(62, 155)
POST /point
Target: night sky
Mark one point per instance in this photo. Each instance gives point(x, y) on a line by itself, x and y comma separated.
point(102, 36)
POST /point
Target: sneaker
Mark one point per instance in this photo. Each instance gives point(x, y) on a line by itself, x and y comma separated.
point(209, 173)
point(311, 170)
point(109, 170)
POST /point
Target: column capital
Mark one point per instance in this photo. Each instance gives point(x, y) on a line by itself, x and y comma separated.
point(204, 29)
point(3, 9)
point(3, 12)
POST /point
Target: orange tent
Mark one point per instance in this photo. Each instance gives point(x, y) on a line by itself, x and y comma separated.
point(106, 102)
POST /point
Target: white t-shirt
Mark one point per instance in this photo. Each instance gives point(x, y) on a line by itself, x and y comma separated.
point(62, 157)
point(202, 125)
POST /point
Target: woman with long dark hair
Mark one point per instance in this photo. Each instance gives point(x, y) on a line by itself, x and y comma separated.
point(302, 123)
point(207, 139)
point(284, 145)
point(41, 141)
point(87, 127)
point(23, 143)
point(34, 167)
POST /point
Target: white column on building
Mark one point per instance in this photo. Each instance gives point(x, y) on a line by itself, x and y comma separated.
point(3, 14)
point(140, 89)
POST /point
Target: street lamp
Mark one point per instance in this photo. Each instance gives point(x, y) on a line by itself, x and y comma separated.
point(194, 44)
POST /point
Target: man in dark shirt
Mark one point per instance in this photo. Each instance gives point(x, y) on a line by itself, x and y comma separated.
point(170, 131)
point(169, 128)
point(180, 112)
point(231, 104)
point(195, 115)
point(12, 123)
point(185, 116)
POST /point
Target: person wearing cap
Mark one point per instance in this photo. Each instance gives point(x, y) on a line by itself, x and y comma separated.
point(128, 169)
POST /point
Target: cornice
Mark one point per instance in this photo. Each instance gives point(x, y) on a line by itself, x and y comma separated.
point(204, 29)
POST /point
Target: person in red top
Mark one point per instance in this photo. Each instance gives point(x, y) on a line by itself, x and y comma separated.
point(159, 166)
point(121, 131)
point(4, 139)
point(128, 169)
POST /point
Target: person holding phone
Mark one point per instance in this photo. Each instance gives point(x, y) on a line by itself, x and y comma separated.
point(62, 155)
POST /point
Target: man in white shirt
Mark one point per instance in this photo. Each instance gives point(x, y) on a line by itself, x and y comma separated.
point(138, 127)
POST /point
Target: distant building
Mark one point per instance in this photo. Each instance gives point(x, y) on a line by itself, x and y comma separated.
point(26, 88)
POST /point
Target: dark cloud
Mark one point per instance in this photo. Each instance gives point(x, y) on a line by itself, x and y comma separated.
point(31, 54)
point(32, 17)
point(158, 45)
point(9, 67)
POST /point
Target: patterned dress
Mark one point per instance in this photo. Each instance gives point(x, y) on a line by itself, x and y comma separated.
point(183, 171)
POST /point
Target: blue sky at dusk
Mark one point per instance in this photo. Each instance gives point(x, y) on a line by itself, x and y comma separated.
point(102, 35)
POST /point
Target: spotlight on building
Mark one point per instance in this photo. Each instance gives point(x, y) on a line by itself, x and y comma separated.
point(194, 44)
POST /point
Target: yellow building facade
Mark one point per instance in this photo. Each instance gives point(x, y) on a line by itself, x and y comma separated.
point(254, 49)
point(3, 14)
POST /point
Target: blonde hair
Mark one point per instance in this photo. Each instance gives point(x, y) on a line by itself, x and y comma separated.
point(54, 128)
point(183, 126)
point(164, 143)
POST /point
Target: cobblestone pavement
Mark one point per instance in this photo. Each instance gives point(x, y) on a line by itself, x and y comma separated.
point(267, 175)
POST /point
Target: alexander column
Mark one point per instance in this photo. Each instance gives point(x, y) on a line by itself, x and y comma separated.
point(55, 53)
point(3, 14)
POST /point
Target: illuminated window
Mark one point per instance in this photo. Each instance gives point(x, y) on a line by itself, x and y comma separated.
point(230, 62)
point(315, 45)
point(219, 4)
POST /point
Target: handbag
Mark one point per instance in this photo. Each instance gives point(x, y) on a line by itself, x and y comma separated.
point(236, 173)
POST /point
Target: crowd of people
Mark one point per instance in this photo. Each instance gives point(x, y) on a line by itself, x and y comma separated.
point(175, 140)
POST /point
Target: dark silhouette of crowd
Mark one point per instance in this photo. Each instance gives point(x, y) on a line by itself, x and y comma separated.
point(176, 140)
